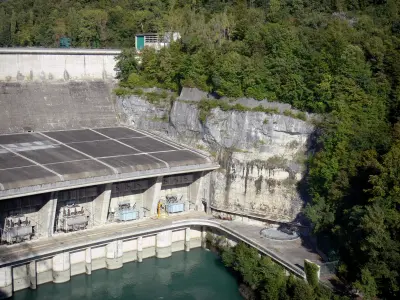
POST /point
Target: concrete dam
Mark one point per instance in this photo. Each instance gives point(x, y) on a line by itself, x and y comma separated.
point(80, 190)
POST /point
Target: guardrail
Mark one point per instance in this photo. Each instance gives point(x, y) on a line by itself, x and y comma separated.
point(254, 244)
point(252, 215)
point(119, 235)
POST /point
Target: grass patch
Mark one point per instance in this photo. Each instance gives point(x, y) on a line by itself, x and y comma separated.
point(206, 105)
point(299, 115)
point(123, 92)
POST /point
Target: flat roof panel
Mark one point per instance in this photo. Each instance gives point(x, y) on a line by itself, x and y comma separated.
point(132, 163)
point(73, 136)
point(119, 132)
point(10, 160)
point(148, 144)
point(24, 138)
point(180, 158)
point(26, 176)
point(103, 148)
point(31, 162)
point(80, 169)
point(53, 154)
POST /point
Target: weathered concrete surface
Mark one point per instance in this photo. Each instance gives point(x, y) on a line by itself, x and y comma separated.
point(262, 155)
point(27, 64)
point(290, 253)
point(43, 106)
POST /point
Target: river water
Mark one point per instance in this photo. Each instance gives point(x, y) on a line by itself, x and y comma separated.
point(198, 274)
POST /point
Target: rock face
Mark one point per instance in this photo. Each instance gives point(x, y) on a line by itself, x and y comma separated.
point(139, 113)
point(262, 156)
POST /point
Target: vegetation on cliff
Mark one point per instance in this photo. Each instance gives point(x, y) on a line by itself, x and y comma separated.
point(340, 58)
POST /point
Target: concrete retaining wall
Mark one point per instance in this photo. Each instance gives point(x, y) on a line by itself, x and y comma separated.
point(62, 266)
point(56, 64)
point(35, 106)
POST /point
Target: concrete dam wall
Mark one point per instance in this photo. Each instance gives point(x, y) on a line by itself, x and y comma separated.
point(53, 89)
point(42, 106)
point(30, 64)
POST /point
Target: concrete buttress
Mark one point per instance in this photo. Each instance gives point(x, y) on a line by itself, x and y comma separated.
point(140, 249)
point(61, 267)
point(32, 275)
point(163, 244)
point(187, 239)
point(152, 195)
point(88, 260)
point(5, 283)
point(47, 216)
point(114, 252)
point(195, 190)
point(203, 237)
point(101, 205)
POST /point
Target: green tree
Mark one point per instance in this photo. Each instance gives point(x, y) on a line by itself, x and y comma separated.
point(127, 64)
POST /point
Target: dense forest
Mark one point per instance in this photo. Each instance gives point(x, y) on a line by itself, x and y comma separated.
point(339, 58)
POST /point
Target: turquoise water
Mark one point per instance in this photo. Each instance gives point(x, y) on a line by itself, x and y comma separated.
point(197, 274)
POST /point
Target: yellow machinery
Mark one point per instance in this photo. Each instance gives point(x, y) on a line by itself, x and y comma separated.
point(161, 213)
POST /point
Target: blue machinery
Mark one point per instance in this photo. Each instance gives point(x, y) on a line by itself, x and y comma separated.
point(174, 205)
point(126, 212)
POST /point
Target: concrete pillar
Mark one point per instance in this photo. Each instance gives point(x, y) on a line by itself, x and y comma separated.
point(164, 244)
point(61, 268)
point(187, 205)
point(47, 216)
point(152, 195)
point(101, 205)
point(140, 249)
point(88, 260)
point(6, 289)
point(210, 185)
point(114, 254)
point(32, 275)
point(203, 237)
point(194, 190)
point(187, 239)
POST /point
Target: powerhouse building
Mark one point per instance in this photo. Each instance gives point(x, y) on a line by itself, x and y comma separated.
point(60, 181)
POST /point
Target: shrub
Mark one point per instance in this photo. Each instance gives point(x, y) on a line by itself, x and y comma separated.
point(311, 269)
point(122, 92)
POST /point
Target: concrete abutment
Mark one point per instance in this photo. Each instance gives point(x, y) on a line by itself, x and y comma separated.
point(114, 253)
point(163, 244)
point(6, 282)
point(88, 261)
point(61, 267)
point(140, 249)
point(187, 239)
point(32, 275)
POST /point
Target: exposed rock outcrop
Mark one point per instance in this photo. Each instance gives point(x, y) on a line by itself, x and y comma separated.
point(262, 156)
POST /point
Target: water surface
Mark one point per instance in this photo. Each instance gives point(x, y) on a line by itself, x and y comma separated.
point(197, 274)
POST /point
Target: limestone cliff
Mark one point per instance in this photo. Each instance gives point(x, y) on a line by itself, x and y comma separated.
point(262, 156)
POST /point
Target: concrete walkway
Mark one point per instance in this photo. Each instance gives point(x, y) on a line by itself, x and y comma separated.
point(289, 253)
point(292, 251)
